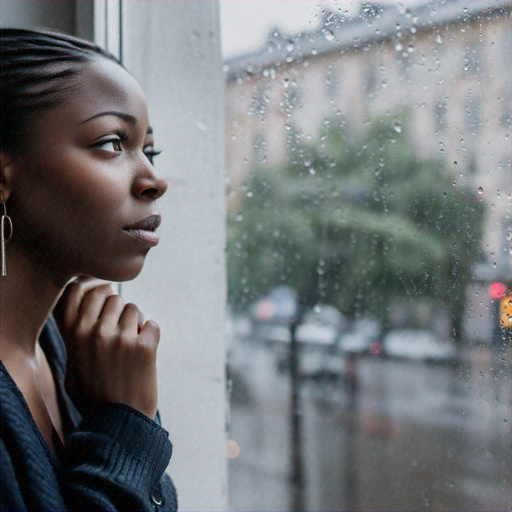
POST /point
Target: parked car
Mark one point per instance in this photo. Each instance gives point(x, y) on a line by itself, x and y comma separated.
point(418, 344)
point(272, 314)
point(321, 326)
point(362, 338)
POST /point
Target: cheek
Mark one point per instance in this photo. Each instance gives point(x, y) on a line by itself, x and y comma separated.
point(75, 192)
point(92, 186)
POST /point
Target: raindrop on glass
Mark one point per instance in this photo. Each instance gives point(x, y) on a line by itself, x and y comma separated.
point(328, 34)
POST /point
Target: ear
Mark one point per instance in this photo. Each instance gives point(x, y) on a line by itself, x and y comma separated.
point(6, 176)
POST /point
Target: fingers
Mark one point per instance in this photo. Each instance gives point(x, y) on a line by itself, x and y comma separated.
point(112, 351)
point(68, 307)
point(130, 319)
point(141, 321)
point(113, 307)
point(150, 333)
point(93, 302)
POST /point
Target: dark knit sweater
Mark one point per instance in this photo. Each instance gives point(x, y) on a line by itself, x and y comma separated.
point(113, 460)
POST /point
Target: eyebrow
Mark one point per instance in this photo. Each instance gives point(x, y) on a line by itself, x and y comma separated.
point(125, 117)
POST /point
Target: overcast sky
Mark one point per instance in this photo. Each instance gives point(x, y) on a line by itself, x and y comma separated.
point(246, 23)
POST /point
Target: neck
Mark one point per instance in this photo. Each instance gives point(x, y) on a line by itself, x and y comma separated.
point(29, 293)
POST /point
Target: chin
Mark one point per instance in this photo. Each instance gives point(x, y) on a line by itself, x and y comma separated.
point(123, 271)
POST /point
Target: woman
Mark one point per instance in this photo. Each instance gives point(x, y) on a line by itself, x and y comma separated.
point(78, 193)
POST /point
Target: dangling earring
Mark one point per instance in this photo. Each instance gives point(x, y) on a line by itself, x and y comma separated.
point(5, 225)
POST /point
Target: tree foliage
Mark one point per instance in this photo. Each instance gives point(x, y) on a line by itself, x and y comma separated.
point(357, 222)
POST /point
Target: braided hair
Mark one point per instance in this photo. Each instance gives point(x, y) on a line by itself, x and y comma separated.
point(38, 71)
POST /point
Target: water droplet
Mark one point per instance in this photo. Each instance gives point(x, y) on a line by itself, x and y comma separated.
point(398, 46)
point(439, 39)
point(286, 83)
point(480, 190)
point(287, 127)
point(410, 48)
point(239, 217)
point(317, 308)
point(397, 127)
point(290, 46)
point(328, 34)
point(312, 171)
point(249, 194)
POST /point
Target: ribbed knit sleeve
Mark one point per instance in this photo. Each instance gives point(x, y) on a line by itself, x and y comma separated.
point(116, 461)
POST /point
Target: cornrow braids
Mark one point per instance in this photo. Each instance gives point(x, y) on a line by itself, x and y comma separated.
point(37, 72)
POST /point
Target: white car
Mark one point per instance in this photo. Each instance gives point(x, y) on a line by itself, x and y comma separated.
point(419, 345)
point(359, 339)
point(321, 325)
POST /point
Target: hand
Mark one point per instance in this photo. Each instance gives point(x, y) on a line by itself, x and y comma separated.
point(111, 350)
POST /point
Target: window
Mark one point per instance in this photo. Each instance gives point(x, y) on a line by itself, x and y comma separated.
point(368, 367)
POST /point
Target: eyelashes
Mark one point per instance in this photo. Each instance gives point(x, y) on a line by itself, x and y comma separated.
point(115, 145)
point(151, 154)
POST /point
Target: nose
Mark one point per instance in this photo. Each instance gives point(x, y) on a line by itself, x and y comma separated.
point(148, 185)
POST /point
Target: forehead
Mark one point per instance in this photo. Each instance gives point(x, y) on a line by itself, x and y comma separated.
point(104, 85)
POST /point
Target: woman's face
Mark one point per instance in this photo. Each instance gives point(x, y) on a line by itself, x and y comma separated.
point(86, 177)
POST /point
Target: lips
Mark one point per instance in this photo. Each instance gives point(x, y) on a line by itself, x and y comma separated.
point(150, 223)
point(145, 230)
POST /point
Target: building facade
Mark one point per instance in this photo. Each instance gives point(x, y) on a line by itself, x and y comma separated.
point(445, 65)
point(442, 68)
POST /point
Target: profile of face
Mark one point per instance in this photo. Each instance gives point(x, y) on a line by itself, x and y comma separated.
point(84, 190)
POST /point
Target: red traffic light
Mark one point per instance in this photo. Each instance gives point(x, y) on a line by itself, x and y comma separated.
point(497, 290)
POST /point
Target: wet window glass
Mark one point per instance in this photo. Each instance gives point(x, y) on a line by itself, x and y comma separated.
point(369, 257)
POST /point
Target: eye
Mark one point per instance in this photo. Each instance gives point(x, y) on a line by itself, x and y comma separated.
point(113, 145)
point(151, 153)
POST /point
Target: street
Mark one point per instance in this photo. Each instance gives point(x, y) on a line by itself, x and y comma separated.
point(400, 435)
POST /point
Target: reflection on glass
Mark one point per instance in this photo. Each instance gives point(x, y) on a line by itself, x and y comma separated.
point(369, 261)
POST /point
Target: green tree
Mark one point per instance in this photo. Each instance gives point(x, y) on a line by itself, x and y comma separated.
point(357, 221)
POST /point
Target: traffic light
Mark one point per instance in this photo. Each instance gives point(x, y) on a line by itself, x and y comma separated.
point(497, 290)
point(501, 301)
point(506, 312)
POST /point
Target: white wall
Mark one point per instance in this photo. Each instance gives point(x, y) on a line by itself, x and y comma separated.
point(173, 49)
point(54, 14)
